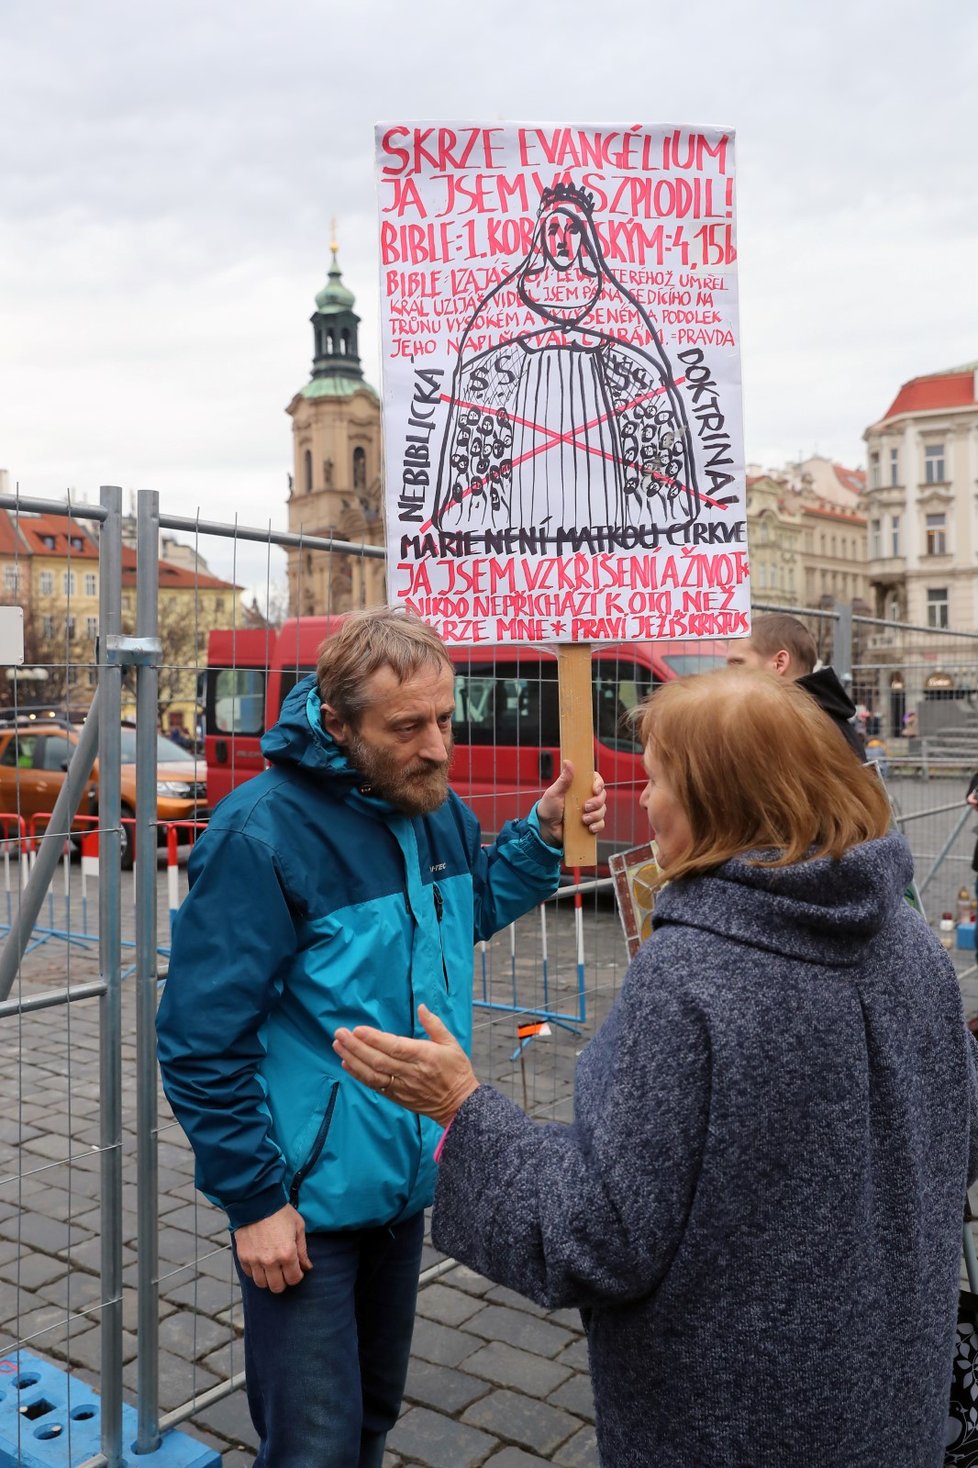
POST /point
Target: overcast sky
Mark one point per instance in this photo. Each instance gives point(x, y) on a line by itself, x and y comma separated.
point(169, 174)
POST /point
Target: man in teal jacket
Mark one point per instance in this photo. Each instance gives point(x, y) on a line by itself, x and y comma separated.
point(345, 885)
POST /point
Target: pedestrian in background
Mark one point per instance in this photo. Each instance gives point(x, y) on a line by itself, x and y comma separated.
point(782, 645)
point(758, 1205)
point(971, 797)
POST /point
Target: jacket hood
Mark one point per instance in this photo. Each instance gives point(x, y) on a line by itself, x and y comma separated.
point(300, 739)
point(823, 911)
point(829, 694)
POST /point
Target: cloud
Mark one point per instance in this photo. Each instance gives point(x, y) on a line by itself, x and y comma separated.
point(170, 174)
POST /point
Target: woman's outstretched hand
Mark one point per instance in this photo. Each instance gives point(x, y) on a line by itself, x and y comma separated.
point(430, 1076)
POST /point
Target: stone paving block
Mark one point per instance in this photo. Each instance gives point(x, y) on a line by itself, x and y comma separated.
point(84, 1347)
point(502, 1295)
point(580, 1452)
point(192, 1336)
point(437, 1343)
point(200, 1292)
point(88, 1255)
point(467, 1279)
point(517, 1328)
point(438, 1442)
point(231, 1419)
point(49, 1235)
point(449, 1307)
point(179, 1380)
point(440, 1387)
point(176, 1246)
point(201, 1220)
point(227, 1359)
point(30, 1270)
point(10, 1251)
point(217, 1262)
point(506, 1366)
point(531, 1423)
point(575, 1396)
point(33, 1325)
point(515, 1458)
point(74, 1291)
point(575, 1356)
point(12, 1303)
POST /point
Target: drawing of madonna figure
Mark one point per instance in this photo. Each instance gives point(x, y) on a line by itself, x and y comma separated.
point(575, 418)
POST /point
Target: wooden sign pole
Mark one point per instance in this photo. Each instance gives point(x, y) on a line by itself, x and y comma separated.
point(577, 745)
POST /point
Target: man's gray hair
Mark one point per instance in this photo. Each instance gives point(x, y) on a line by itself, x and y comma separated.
point(367, 641)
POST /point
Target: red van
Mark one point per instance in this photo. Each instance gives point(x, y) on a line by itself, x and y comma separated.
point(507, 726)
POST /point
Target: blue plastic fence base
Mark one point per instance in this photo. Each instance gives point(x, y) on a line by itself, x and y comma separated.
point(45, 1416)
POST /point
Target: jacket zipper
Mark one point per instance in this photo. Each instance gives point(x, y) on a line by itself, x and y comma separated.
point(439, 912)
point(317, 1146)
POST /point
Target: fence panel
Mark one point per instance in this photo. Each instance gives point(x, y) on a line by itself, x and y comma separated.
point(111, 1264)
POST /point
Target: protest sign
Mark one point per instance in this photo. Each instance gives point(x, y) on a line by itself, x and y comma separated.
point(561, 381)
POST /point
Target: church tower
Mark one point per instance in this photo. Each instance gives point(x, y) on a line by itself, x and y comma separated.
point(335, 485)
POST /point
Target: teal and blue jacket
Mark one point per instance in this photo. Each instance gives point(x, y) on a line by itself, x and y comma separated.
point(312, 905)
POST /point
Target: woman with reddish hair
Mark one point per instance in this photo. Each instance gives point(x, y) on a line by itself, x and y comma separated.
point(758, 1204)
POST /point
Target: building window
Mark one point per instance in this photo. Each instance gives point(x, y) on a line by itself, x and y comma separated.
point(91, 628)
point(934, 463)
point(307, 471)
point(68, 583)
point(48, 542)
point(894, 535)
point(11, 579)
point(47, 583)
point(218, 603)
point(894, 467)
point(91, 584)
point(93, 677)
point(874, 470)
point(47, 626)
point(875, 540)
point(937, 534)
point(70, 628)
point(359, 469)
point(937, 615)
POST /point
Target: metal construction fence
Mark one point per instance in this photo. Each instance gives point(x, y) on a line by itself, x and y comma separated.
point(114, 1272)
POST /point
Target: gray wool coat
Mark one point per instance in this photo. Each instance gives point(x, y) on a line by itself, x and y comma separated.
point(758, 1206)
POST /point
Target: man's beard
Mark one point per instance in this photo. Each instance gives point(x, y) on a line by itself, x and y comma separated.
point(416, 789)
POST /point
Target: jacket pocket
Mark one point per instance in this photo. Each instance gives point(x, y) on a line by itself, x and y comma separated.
point(319, 1142)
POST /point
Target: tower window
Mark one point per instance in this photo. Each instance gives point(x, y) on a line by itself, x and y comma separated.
point(307, 465)
point(332, 342)
point(359, 469)
point(345, 343)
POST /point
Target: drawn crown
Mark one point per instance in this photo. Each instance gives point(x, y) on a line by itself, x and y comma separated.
point(564, 193)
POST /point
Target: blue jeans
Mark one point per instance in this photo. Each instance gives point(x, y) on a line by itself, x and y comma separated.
point(326, 1360)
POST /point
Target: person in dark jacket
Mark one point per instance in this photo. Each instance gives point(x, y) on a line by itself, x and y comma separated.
point(758, 1204)
point(780, 644)
point(342, 885)
point(971, 798)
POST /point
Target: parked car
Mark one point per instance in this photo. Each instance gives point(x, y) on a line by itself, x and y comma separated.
point(34, 756)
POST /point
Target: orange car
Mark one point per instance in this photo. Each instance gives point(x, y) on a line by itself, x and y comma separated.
point(34, 756)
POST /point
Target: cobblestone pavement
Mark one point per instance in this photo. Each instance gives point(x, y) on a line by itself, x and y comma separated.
point(493, 1380)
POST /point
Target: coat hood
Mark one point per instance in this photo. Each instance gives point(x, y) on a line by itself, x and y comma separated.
point(828, 693)
point(300, 739)
point(823, 911)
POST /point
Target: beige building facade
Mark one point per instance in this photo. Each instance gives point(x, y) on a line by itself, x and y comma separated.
point(806, 530)
point(336, 484)
point(922, 504)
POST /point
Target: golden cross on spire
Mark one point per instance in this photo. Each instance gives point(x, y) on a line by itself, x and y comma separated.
point(333, 244)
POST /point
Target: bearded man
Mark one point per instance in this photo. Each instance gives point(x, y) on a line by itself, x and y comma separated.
point(344, 885)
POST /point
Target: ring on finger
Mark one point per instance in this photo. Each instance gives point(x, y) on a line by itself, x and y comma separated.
point(384, 1089)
